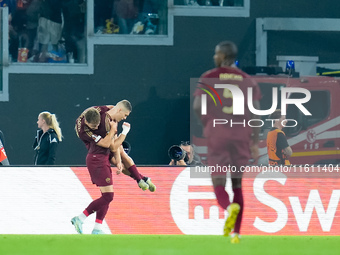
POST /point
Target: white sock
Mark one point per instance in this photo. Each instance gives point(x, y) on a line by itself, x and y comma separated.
point(82, 217)
point(97, 226)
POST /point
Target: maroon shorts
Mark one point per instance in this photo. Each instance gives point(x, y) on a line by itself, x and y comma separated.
point(227, 153)
point(100, 169)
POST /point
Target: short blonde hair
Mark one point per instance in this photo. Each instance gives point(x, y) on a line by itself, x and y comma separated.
point(92, 116)
point(126, 104)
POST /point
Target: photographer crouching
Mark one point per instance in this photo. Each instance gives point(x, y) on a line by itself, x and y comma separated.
point(183, 155)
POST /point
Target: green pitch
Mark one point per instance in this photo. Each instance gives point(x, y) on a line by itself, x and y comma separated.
point(165, 244)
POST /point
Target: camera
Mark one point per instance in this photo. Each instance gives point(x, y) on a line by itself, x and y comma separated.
point(176, 153)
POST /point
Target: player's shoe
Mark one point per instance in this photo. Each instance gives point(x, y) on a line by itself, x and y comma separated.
point(98, 232)
point(78, 224)
point(235, 239)
point(143, 185)
point(233, 210)
point(152, 187)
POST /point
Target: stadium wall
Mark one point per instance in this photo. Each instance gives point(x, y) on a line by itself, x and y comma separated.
point(42, 200)
point(155, 79)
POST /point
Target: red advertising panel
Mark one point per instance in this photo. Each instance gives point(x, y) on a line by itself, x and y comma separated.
point(274, 205)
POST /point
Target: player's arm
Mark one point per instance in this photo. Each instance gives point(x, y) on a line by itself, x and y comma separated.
point(287, 152)
point(52, 152)
point(282, 144)
point(118, 160)
point(107, 140)
point(120, 139)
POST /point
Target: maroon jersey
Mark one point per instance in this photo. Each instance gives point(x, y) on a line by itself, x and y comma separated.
point(230, 76)
point(92, 137)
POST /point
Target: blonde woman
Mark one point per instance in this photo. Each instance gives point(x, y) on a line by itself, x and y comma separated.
point(47, 139)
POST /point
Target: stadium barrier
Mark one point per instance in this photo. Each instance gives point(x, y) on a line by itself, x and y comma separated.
point(42, 200)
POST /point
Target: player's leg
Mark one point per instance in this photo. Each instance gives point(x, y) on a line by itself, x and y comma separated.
point(99, 205)
point(238, 199)
point(222, 196)
point(143, 182)
point(100, 171)
point(125, 170)
point(241, 155)
point(233, 210)
point(107, 191)
point(129, 164)
point(219, 182)
point(218, 155)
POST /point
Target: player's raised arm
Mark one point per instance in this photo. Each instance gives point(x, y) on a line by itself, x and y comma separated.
point(120, 139)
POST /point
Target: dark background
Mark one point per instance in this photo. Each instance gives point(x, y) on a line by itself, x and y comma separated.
point(156, 79)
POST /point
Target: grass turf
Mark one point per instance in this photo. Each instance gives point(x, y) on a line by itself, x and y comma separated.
point(165, 244)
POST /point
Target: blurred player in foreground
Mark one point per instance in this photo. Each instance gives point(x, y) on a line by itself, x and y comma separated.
point(228, 144)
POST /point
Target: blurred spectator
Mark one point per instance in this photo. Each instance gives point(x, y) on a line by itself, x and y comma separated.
point(17, 29)
point(50, 27)
point(127, 14)
point(130, 16)
point(73, 30)
point(45, 30)
point(33, 14)
point(103, 10)
point(12, 36)
point(149, 18)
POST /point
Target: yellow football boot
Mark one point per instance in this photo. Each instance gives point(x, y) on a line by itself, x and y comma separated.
point(235, 239)
point(233, 210)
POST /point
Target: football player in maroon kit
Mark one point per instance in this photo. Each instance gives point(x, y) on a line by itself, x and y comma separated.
point(97, 128)
point(233, 144)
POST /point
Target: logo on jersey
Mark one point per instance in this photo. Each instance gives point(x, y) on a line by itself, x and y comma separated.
point(96, 138)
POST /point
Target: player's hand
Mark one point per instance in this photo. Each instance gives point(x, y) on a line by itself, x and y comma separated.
point(126, 128)
point(119, 167)
point(254, 150)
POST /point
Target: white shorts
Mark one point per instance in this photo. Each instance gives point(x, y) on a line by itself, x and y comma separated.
point(49, 31)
